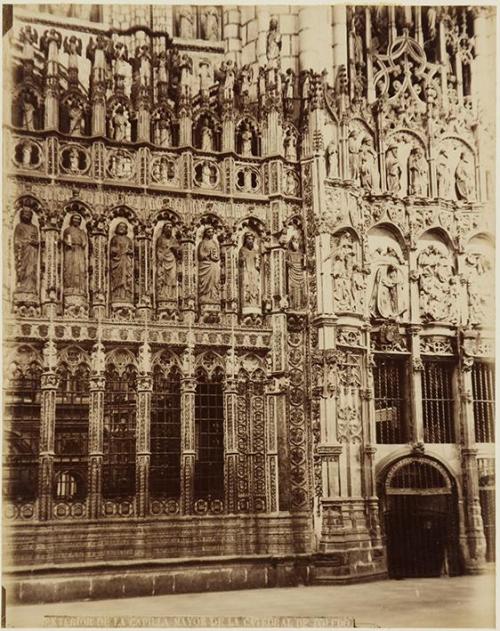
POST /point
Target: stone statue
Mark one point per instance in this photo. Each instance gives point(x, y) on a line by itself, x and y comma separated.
point(443, 174)
point(367, 169)
point(210, 24)
point(76, 122)
point(26, 252)
point(249, 264)
point(388, 299)
point(99, 53)
point(290, 143)
point(206, 136)
point(209, 288)
point(353, 149)
point(273, 45)
point(186, 70)
point(74, 161)
point(27, 151)
point(119, 124)
point(73, 47)
point(167, 254)
point(245, 80)
point(121, 60)
point(332, 160)
point(186, 21)
point(162, 134)
point(227, 75)
point(417, 173)
point(288, 85)
point(206, 175)
point(393, 170)
point(343, 270)
point(463, 179)
point(121, 264)
point(296, 282)
point(75, 265)
point(28, 37)
point(358, 288)
point(143, 65)
point(479, 277)
point(246, 142)
point(28, 114)
point(205, 78)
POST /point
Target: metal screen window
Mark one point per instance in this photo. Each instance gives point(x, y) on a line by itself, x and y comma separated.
point(209, 438)
point(437, 402)
point(71, 434)
point(389, 379)
point(486, 468)
point(22, 398)
point(165, 435)
point(483, 395)
point(119, 433)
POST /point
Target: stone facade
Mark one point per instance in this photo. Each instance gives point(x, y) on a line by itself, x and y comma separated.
point(230, 234)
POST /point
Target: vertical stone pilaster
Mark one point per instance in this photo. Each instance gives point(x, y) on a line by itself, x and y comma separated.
point(188, 454)
point(97, 233)
point(51, 45)
point(417, 367)
point(144, 238)
point(143, 431)
point(50, 279)
point(188, 294)
point(228, 128)
point(230, 437)
point(49, 384)
point(96, 430)
point(273, 393)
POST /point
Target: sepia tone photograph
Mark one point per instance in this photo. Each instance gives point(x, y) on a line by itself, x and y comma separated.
point(248, 315)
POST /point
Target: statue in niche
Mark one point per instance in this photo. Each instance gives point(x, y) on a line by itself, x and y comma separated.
point(120, 124)
point(393, 170)
point(75, 266)
point(437, 286)
point(290, 144)
point(207, 175)
point(162, 133)
point(388, 299)
point(186, 22)
point(209, 288)
point(343, 268)
point(245, 80)
point(76, 122)
point(167, 254)
point(121, 61)
point(26, 251)
point(249, 264)
point(74, 160)
point(367, 161)
point(206, 135)
point(273, 45)
point(479, 288)
point(358, 287)
point(463, 179)
point(210, 24)
point(246, 142)
point(227, 77)
point(332, 160)
point(121, 272)
point(26, 152)
point(99, 53)
point(143, 65)
point(417, 173)
point(443, 174)
point(28, 113)
point(353, 150)
point(295, 267)
point(288, 86)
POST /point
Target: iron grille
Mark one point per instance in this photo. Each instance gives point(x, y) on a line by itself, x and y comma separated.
point(22, 419)
point(71, 434)
point(483, 395)
point(209, 438)
point(165, 435)
point(486, 467)
point(418, 475)
point(119, 433)
point(437, 401)
point(389, 377)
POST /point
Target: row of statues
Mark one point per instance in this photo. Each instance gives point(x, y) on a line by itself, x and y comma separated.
point(363, 170)
point(167, 268)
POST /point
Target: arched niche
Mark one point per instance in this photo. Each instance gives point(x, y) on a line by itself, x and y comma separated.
point(407, 150)
point(121, 263)
point(167, 265)
point(74, 260)
point(456, 170)
point(388, 284)
point(349, 283)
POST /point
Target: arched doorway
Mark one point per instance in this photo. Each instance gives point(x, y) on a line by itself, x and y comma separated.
point(419, 506)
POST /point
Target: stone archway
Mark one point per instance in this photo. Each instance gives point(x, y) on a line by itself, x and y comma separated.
point(419, 506)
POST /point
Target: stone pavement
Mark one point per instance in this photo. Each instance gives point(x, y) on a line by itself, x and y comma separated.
point(463, 601)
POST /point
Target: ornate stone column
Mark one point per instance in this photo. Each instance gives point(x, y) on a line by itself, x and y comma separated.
point(144, 236)
point(476, 541)
point(416, 411)
point(143, 431)
point(49, 384)
point(50, 44)
point(188, 295)
point(96, 428)
point(50, 235)
point(188, 454)
point(230, 438)
point(97, 234)
point(275, 396)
